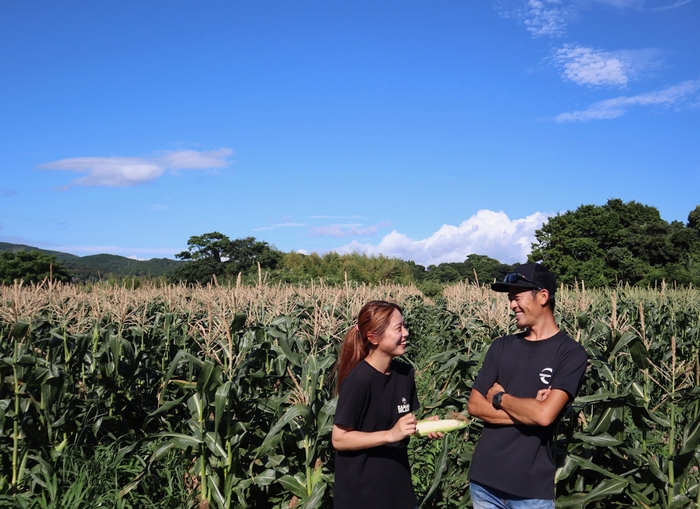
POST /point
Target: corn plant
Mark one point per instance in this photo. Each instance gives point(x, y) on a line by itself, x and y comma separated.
point(222, 396)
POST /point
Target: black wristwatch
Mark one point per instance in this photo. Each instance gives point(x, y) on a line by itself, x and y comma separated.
point(496, 400)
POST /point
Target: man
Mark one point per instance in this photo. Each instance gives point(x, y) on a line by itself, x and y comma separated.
point(526, 382)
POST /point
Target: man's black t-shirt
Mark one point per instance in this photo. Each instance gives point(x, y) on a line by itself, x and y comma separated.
point(518, 459)
point(379, 477)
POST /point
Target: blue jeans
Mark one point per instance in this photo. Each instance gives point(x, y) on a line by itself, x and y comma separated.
point(484, 497)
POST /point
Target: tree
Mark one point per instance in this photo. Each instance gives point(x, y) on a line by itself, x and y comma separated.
point(30, 267)
point(210, 246)
point(214, 254)
point(245, 254)
point(616, 242)
point(443, 273)
point(694, 219)
point(487, 269)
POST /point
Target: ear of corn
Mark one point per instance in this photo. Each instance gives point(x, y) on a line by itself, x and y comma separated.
point(442, 425)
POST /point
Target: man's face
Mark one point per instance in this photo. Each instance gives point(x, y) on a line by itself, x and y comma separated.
point(526, 306)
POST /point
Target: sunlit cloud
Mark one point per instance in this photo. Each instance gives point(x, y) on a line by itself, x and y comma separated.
point(587, 66)
point(487, 232)
point(133, 171)
point(347, 230)
point(546, 17)
point(540, 17)
point(653, 5)
point(550, 18)
point(676, 95)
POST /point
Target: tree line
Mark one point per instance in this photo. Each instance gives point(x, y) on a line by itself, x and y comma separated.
point(619, 243)
point(214, 254)
point(615, 243)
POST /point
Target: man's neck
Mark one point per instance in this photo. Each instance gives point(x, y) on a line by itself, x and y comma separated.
point(544, 329)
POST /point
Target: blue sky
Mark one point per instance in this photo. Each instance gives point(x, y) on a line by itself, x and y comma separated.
point(426, 130)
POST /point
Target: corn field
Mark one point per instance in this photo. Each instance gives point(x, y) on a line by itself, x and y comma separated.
point(223, 396)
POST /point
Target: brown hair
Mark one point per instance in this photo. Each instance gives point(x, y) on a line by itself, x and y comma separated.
point(373, 318)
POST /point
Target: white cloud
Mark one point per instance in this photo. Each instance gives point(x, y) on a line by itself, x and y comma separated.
point(193, 160)
point(618, 106)
point(487, 232)
point(132, 171)
point(347, 230)
point(546, 17)
point(671, 5)
point(134, 257)
point(643, 4)
point(157, 206)
point(588, 66)
point(622, 4)
point(337, 217)
point(551, 17)
point(540, 17)
point(288, 224)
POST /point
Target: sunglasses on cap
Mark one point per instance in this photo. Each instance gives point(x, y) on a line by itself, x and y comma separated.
point(513, 277)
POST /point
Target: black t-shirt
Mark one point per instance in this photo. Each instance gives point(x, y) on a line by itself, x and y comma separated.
point(517, 459)
point(379, 477)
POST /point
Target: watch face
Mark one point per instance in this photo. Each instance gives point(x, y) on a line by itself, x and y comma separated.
point(496, 401)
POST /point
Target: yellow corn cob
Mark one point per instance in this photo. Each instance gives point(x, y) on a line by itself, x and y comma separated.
point(443, 425)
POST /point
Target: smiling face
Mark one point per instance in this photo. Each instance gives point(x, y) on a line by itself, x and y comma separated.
point(392, 342)
point(528, 308)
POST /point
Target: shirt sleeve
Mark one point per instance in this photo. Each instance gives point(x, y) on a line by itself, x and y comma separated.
point(570, 370)
point(352, 399)
point(488, 374)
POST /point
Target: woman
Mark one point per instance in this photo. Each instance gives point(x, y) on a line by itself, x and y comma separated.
point(375, 414)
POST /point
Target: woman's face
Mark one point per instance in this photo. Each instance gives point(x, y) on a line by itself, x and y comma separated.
point(393, 341)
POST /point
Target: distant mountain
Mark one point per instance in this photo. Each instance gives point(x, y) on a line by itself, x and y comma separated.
point(103, 265)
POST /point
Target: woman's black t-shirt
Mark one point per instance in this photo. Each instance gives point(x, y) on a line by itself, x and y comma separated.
point(379, 477)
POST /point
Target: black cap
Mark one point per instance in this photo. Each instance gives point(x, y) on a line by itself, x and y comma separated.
point(530, 275)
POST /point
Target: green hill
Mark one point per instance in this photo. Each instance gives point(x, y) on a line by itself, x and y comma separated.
point(103, 265)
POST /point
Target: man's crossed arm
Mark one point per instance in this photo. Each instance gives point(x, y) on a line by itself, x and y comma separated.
point(539, 411)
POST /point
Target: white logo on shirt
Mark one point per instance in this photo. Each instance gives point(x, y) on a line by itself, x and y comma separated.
point(546, 375)
point(403, 407)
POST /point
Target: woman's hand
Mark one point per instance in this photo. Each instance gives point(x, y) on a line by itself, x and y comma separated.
point(433, 435)
point(404, 427)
